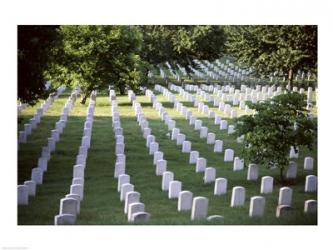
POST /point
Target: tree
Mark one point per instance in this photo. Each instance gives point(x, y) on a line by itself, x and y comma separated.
point(98, 56)
point(181, 44)
point(277, 125)
point(282, 48)
point(35, 43)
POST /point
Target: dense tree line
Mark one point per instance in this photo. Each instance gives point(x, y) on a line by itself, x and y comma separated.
point(96, 56)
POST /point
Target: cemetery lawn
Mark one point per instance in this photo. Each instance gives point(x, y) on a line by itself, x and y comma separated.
point(101, 204)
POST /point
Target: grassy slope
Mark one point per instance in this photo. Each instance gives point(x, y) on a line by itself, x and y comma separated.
point(101, 204)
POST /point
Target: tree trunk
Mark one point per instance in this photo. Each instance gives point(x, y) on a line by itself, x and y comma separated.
point(84, 98)
point(281, 176)
point(121, 88)
point(290, 78)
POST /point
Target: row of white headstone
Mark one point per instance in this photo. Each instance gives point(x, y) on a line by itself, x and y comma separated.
point(197, 205)
point(291, 173)
point(133, 208)
point(185, 197)
point(71, 203)
point(29, 187)
point(221, 183)
point(35, 120)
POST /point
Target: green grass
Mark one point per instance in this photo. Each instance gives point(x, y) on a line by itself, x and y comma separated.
point(101, 204)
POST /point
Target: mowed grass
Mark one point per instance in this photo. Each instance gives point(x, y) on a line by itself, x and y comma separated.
point(101, 203)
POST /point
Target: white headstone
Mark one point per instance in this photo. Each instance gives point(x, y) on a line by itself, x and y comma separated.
point(68, 206)
point(199, 208)
point(146, 132)
point(257, 206)
point(185, 200)
point(292, 170)
point(158, 155)
point(64, 219)
point(150, 138)
point(42, 163)
point(201, 165)
point(120, 147)
point(252, 172)
point(37, 175)
point(220, 187)
point(123, 179)
point(228, 155)
point(133, 208)
point(131, 197)
point(210, 138)
point(124, 189)
point(186, 147)
point(78, 171)
point(77, 189)
point(238, 196)
point(22, 195)
point(223, 124)
point(175, 187)
point(194, 155)
point(238, 164)
point(218, 146)
point(166, 179)
point(285, 196)
point(153, 147)
point(310, 206)
point(171, 125)
point(180, 139)
point(140, 216)
point(210, 175)
point(311, 183)
point(197, 124)
point(217, 120)
point(31, 187)
point(231, 129)
point(161, 167)
point(293, 153)
point(203, 132)
point(119, 169)
point(266, 185)
point(308, 163)
point(175, 132)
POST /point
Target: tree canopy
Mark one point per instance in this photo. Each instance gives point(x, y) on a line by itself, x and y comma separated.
point(96, 56)
point(35, 43)
point(277, 125)
point(182, 43)
point(275, 48)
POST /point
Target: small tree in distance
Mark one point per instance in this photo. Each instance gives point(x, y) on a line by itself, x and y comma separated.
point(277, 125)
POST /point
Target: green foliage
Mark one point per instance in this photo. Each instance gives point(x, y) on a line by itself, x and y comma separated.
point(181, 43)
point(277, 125)
point(35, 43)
point(283, 48)
point(98, 56)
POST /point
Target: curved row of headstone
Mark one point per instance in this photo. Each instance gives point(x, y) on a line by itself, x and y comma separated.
point(220, 188)
point(260, 93)
point(29, 187)
point(35, 120)
point(71, 203)
point(204, 133)
point(197, 205)
point(238, 164)
point(238, 193)
point(133, 208)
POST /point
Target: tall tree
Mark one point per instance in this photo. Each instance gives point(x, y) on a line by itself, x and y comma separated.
point(98, 56)
point(277, 125)
point(35, 43)
point(282, 48)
